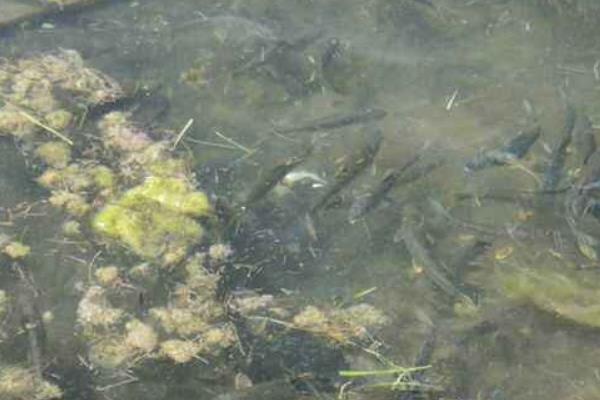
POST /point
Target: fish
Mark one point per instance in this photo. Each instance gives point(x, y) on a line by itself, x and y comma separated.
point(332, 53)
point(463, 262)
point(515, 149)
point(366, 203)
point(422, 359)
point(270, 390)
point(278, 49)
point(590, 175)
point(27, 296)
point(352, 166)
point(420, 254)
point(293, 177)
point(584, 139)
point(553, 172)
point(272, 177)
point(336, 121)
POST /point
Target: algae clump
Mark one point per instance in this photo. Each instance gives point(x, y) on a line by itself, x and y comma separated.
point(567, 297)
point(156, 219)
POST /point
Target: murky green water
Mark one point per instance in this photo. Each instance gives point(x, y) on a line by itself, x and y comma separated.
point(487, 277)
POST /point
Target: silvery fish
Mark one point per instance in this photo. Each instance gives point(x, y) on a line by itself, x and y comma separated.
point(293, 177)
point(515, 149)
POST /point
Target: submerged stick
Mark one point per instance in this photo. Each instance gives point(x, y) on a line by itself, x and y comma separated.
point(53, 131)
point(182, 133)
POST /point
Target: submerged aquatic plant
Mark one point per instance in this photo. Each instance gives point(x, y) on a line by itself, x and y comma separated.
point(135, 192)
point(156, 219)
point(339, 325)
point(555, 292)
point(17, 383)
point(16, 250)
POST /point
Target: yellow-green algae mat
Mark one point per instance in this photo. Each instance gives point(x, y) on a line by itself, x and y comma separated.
point(566, 294)
point(157, 219)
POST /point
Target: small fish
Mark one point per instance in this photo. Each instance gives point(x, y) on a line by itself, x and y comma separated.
point(515, 149)
point(351, 167)
point(370, 201)
point(337, 121)
point(553, 172)
point(467, 258)
point(588, 245)
point(293, 177)
point(278, 49)
point(269, 390)
point(421, 255)
point(332, 53)
point(274, 176)
point(422, 359)
point(584, 138)
point(27, 296)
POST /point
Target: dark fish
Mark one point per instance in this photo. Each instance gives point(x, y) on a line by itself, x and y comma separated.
point(553, 172)
point(27, 301)
point(134, 99)
point(332, 53)
point(584, 138)
point(337, 71)
point(426, 352)
point(149, 109)
point(366, 203)
point(271, 390)
point(351, 167)
point(337, 121)
point(467, 258)
point(590, 176)
point(511, 196)
point(423, 258)
point(274, 176)
point(428, 3)
point(423, 359)
point(417, 173)
point(515, 149)
point(370, 201)
point(278, 49)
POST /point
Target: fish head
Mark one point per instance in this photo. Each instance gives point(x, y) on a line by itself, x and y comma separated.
point(358, 208)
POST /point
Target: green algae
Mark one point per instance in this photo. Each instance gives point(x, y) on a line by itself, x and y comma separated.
point(103, 177)
point(156, 219)
point(16, 250)
point(172, 194)
point(566, 296)
point(55, 154)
